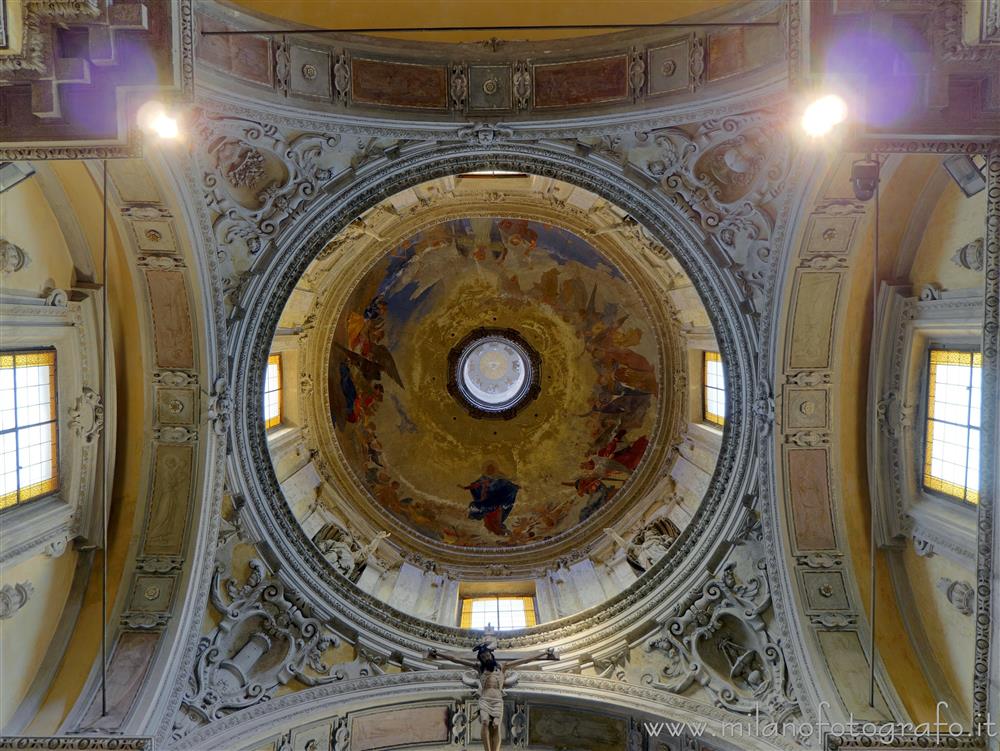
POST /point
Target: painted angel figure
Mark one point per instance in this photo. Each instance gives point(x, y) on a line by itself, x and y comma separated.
point(489, 680)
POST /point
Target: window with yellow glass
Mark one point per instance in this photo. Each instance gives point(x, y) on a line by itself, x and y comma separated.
point(272, 392)
point(498, 613)
point(951, 441)
point(714, 379)
point(29, 434)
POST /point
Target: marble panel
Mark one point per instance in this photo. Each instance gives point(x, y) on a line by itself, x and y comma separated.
point(845, 657)
point(400, 728)
point(177, 406)
point(726, 53)
point(581, 82)
point(829, 235)
point(172, 469)
point(172, 335)
point(246, 56)
point(825, 590)
point(397, 84)
point(309, 73)
point(808, 479)
point(560, 727)
point(154, 235)
point(133, 181)
point(669, 68)
point(152, 593)
point(814, 309)
point(806, 408)
point(127, 670)
point(490, 88)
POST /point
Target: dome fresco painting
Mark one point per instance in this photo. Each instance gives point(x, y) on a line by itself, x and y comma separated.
point(448, 474)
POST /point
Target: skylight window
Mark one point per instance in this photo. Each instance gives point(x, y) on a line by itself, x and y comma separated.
point(272, 392)
point(28, 429)
point(498, 613)
point(951, 453)
point(715, 389)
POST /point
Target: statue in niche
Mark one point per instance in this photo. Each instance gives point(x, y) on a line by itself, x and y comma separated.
point(647, 547)
point(343, 551)
point(489, 680)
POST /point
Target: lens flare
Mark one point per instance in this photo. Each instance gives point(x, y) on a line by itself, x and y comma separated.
point(823, 115)
point(154, 118)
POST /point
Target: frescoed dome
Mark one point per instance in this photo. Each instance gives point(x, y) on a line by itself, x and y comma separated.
point(523, 320)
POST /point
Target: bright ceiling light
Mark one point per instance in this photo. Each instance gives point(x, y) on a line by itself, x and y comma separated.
point(154, 119)
point(165, 126)
point(823, 115)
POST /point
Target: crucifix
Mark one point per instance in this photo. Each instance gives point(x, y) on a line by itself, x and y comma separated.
point(489, 680)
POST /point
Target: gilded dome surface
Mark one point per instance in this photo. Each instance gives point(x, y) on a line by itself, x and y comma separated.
point(461, 478)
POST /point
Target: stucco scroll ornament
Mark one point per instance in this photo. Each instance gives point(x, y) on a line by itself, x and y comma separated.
point(960, 594)
point(13, 597)
point(763, 408)
point(256, 179)
point(220, 407)
point(266, 638)
point(970, 255)
point(726, 176)
point(12, 257)
point(86, 417)
point(893, 415)
point(484, 134)
point(717, 638)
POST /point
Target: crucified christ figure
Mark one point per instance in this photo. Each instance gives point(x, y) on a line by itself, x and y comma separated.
point(489, 681)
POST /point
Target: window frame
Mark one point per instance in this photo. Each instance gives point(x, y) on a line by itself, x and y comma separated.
point(529, 602)
point(913, 323)
point(53, 421)
point(925, 420)
point(69, 324)
point(712, 419)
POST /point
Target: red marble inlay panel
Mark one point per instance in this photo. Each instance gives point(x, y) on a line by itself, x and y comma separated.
point(582, 82)
point(245, 56)
point(726, 53)
point(391, 84)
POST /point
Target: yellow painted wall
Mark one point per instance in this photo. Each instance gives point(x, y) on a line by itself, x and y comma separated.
point(27, 221)
point(955, 221)
point(894, 648)
point(85, 197)
point(951, 635)
point(25, 637)
point(342, 14)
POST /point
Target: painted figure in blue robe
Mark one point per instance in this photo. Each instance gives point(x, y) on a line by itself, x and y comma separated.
point(493, 497)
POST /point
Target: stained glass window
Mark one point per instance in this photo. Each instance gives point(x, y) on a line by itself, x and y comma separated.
point(499, 613)
point(29, 434)
point(272, 392)
point(951, 452)
point(714, 378)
